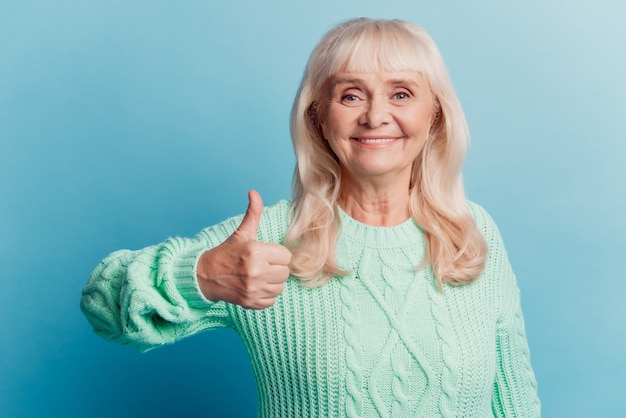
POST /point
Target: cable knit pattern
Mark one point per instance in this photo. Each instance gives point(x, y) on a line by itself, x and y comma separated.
point(449, 355)
point(380, 342)
point(354, 356)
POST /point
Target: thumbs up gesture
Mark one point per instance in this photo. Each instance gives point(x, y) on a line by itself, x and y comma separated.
point(243, 270)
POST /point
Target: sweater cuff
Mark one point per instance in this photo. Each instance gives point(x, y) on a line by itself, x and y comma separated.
point(184, 270)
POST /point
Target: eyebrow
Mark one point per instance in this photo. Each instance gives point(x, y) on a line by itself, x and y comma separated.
point(392, 82)
point(344, 80)
point(403, 81)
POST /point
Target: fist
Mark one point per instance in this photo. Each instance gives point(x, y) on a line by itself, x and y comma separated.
point(242, 270)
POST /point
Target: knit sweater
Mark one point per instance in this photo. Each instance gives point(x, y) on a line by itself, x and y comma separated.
point(383, 341)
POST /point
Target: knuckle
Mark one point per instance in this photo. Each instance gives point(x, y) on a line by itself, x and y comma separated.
point(254, 272)
point(284, 274)
point(288, 255)
point(250, 288)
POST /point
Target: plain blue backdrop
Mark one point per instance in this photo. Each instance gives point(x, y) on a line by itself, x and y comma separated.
point(123, 123)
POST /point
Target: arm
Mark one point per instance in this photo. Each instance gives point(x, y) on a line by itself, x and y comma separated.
point(515, 387)
point(150, 297)
point(163, 293)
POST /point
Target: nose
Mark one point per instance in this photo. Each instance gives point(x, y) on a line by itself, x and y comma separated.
point(376, 113)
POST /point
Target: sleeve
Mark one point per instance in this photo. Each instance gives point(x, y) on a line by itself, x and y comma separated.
point(515, 386)
point(150, 297)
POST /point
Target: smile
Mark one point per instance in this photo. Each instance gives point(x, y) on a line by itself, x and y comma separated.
point(375, 141)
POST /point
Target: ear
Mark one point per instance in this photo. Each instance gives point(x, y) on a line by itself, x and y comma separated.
point(315, 117)
point(323, 127)
point(436, 113)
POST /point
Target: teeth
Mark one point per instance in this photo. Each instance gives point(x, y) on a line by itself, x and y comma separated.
point(376, 140)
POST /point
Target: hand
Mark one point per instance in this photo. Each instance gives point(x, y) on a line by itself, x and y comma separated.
point(243, 270)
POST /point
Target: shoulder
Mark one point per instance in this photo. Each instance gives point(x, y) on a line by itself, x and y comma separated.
point(279, 209)
point(272, 214)
point(272, 228)
point(275, 221)
point(480, 215)
point(497, 263)
point(485, 223)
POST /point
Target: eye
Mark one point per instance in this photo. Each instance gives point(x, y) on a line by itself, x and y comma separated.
point(349, 98)
point(401, 95)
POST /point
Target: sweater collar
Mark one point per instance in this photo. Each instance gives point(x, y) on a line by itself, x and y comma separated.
point(399, 235)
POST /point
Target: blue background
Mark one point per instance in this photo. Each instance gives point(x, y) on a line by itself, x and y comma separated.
point(123, 123)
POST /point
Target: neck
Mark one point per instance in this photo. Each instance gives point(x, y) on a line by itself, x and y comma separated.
point(375, 205)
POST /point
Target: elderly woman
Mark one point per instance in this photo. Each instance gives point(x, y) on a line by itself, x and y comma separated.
point(379, 291)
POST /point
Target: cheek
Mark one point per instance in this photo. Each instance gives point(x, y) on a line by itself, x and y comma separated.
point(338, 121)
point(419, 123)
point(328, 123)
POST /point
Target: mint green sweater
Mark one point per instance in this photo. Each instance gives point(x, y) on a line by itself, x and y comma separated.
point(381, 342)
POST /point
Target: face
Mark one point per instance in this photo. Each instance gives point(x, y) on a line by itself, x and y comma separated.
point(377, 123)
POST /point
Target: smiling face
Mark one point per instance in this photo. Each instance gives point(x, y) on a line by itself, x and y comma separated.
point(377, 123)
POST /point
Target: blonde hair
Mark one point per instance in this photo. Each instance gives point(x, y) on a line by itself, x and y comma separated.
point(456, 250)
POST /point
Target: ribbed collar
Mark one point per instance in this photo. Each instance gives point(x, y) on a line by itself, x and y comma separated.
point(406, 233)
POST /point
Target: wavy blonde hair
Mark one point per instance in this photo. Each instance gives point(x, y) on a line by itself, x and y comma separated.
point(456, 250)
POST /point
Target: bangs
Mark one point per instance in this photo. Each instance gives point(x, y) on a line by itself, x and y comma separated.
point(379, 48)
point(369, 46)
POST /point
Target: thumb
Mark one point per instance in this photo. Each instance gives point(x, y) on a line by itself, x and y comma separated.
point(250, 222)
